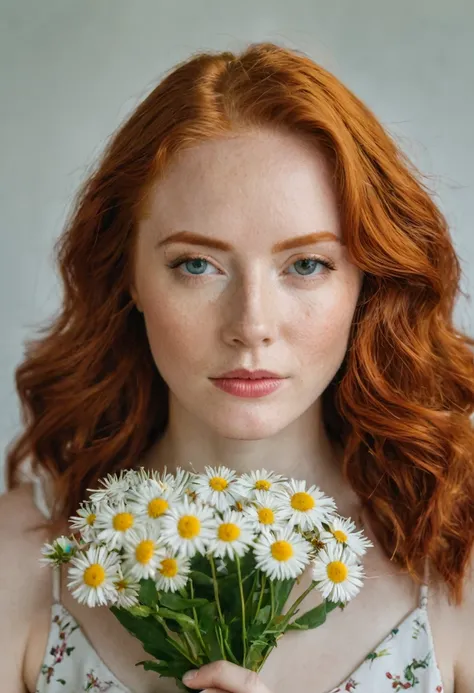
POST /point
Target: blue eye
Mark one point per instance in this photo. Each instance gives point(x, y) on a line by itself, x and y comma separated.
point(311, 261)
point(199, 263)
point(196, 260)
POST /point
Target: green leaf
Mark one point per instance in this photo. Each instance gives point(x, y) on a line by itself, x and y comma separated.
point(263, 615)
point(255, 654)
point(160, 667)
point(140, 611)
point(148, 594)
point(282, 589)
point(330, 606)
point(151, 634)
point(175, 667)
point(201, 578)
point(184, 621)
point(174, 601)
point(296, 626)
point(313, 618)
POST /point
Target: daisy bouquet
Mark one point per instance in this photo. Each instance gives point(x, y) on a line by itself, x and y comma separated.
point(199, 567)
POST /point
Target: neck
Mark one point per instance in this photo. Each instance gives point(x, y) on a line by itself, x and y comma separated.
point(301, 451)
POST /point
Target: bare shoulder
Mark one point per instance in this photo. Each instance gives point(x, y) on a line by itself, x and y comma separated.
point(21, 541)
point(26, 583)
point(463, 627)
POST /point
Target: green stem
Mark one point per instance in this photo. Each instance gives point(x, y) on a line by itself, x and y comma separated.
point(190, 645)
point(218, 604)
point(230, 653)
point(216, 591)
point(262, 589)
point(272, 601)
point(242, 599)
point(174, 643)
point(296, 604)
point(284, 623)
point(196, 623)
point(183, 652)
point(220, 639)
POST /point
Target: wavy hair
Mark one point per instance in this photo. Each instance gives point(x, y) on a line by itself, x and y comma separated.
point(92, 400)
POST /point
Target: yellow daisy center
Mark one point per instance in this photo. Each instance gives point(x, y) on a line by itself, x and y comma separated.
point(217, 483)
point(302, 501)
point(121, 585)
point(263, 485)
point(266, 516)
point(228, 531)
point(122, 522)
point(90, 519)
point(282, 550)
point(157, 507)
point(189, 527)
point(340, 536)
point(169, 567)
point(94, 575)
point(144, 551)
point(337, 571)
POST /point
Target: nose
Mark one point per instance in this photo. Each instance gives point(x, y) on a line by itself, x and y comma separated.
point(250, 315)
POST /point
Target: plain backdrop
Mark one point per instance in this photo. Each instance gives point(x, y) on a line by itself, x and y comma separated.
point(71, 71)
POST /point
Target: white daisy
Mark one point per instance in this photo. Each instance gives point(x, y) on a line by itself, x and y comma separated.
point(282, 554)
point(135, 477)
point(261, 481)
point(60, 551)
point(305, 508)
point(338, 573)
point(265, 512)
point(232, 535)
point(217, 487)
point(342, 531)
point(142, 551)
point(114, 487)
point(187, 527)
point(128, 589)
point(84, 521)
point(172, 573)
point(149, 501)
point(179, 481)
point(92, 576)
point(113, 523)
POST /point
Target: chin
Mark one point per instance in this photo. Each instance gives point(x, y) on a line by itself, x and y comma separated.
point(248, 428)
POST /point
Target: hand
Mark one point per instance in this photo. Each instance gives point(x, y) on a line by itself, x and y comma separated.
point(224, 677)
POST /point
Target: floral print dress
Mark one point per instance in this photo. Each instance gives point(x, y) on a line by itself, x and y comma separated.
point(404, 660)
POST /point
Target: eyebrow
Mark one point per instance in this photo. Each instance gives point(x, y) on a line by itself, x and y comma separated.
point(198, 239)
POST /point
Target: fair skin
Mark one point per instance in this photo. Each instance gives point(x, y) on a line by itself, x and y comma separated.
point(246, 307)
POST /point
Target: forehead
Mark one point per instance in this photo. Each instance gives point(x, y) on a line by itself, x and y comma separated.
point(258, 181)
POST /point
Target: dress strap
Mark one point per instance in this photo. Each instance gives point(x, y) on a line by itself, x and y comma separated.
point(42, 505)
point(424, 586)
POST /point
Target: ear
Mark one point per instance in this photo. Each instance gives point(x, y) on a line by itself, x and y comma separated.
point(136, 300)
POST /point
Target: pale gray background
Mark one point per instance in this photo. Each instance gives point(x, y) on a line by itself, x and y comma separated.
point(72, 70)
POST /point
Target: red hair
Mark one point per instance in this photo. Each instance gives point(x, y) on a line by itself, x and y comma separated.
point(93, 400)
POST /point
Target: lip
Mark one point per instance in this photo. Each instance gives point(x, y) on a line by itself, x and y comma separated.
point(247, 387)
point(244, 374)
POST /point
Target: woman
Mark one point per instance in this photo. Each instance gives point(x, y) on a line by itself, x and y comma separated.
point(253, 214)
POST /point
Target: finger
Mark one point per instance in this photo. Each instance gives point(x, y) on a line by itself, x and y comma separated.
point(226, 676)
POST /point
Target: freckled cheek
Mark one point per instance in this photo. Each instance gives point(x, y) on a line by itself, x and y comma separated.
point(176, 334)
point(321, 330)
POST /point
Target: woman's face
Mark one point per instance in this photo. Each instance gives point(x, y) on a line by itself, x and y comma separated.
point(253, 302)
